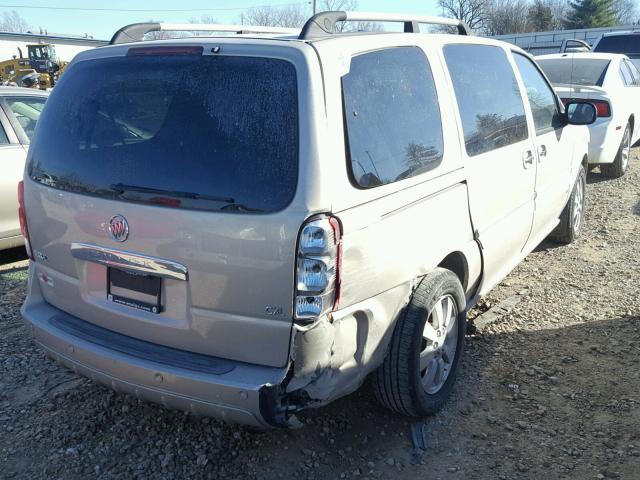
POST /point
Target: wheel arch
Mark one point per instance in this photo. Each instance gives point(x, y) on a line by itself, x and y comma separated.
point(458, 264)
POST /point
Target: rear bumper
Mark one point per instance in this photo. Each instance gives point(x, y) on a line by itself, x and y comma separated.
point(246, 394)
point(604, 141)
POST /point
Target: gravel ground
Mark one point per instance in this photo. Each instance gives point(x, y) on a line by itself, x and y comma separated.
point(550, 389)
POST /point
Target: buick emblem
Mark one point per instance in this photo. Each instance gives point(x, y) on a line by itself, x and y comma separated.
point(119, 228)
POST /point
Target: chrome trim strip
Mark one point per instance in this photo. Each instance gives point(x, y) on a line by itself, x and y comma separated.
point(129, 261)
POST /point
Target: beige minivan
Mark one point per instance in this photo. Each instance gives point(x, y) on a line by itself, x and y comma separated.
point(247, 226)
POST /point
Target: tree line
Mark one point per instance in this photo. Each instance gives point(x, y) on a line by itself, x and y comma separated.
point(499, 17)
point(485, 17)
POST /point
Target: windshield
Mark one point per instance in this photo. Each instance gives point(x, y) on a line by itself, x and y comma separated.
point(185, 131)
point(575, 71)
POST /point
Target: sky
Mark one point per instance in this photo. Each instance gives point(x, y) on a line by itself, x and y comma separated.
point(75, 16)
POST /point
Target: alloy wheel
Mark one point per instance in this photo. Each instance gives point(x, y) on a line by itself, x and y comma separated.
point(439, 344)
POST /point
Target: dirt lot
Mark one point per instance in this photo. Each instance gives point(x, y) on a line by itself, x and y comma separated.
point(551, 389)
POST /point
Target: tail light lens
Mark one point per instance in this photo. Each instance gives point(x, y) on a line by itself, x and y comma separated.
point(22, 216)
point(603, 108)
point(319, 261)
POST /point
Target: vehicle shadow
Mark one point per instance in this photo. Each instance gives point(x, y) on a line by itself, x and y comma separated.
point(12, 255)
point(548, 244)
point(519, 397)
point(597, 177)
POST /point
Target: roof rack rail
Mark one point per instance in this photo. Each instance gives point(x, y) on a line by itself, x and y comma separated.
point(323, 24)
point(136, 31)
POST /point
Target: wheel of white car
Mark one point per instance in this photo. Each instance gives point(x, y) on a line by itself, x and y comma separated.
point(572, 217)
point(419, 371)
point(621, 162)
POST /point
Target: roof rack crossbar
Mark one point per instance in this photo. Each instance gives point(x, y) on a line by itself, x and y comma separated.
point(323, 24)
point(136, 31)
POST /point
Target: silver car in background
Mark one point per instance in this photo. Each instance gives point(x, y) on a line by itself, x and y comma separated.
point(19, 113)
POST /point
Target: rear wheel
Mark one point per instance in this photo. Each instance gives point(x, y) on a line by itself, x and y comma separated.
point(621, 162)
point(419, 371)
point(572, 217)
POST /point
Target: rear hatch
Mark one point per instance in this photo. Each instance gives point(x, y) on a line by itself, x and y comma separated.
point(179, 165)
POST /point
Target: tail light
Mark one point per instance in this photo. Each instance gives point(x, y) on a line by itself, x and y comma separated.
point(22, 216)
point(318, 268)
point(603, 108)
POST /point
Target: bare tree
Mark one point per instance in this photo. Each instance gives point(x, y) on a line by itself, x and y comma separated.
point(473, 12)
point(506, 16)
point(626, 12)
point(13, 22)
point(204, 19)
point(292, 16)
point(340, 5)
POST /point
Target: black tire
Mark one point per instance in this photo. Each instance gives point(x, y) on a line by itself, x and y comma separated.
point(568, 230)
point(398, 382)
point(621, 162)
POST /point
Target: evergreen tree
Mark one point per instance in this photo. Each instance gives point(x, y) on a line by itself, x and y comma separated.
point(590, 14)
point(540, 17)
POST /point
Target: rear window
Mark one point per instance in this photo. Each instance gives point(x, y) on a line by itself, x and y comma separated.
point(187, 131)
point(619, 44)
point(575, 71)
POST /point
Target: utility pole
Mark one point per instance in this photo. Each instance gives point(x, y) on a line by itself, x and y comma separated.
point(314, 7)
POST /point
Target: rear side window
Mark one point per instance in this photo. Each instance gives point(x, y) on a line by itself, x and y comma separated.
point(488, 97)
point(185, 131)
point(394, 130)
point(619, 44)
point(575, 71)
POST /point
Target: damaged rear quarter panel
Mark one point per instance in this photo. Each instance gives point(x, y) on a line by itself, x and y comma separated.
point(388, 245)
point(332, 357)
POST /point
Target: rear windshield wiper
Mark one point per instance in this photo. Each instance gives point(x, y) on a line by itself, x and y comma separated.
point(123, 188)
point(229, 204)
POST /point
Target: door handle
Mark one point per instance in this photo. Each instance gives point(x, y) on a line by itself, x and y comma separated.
point(542, 151)
point(527, 159)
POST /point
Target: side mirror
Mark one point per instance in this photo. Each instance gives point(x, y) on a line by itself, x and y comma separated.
point(580, 113)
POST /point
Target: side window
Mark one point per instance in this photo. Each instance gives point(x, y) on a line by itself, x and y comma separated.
point(488, 97)
point(4, 140)
point(634, 72)
point(540, 95)
point(27, 111)
point(391, 111)
point(627, 79)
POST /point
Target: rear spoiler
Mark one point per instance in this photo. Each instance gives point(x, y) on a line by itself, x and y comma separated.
point(581, 88)
point(581, 46)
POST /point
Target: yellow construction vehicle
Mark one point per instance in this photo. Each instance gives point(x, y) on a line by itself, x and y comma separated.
point(41, 58)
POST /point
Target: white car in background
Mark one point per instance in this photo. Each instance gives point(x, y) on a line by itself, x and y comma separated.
point(612, 83)
point(20, 110)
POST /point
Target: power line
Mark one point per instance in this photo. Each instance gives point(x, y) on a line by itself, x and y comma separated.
point(161, 10)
